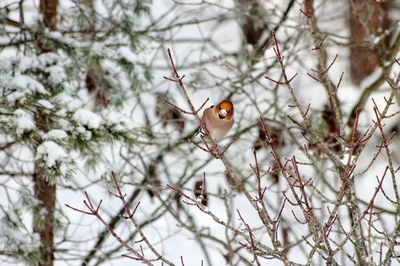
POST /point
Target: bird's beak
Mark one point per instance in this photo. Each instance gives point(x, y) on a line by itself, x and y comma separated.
point(222, 113)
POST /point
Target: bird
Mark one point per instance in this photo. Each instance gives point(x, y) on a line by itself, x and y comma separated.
point(218, 119)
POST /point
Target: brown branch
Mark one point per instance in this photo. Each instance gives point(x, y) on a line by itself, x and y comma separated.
point(94, 211)
point(308, 125)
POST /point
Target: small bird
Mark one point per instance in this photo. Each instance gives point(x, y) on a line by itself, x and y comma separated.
point(219, 119)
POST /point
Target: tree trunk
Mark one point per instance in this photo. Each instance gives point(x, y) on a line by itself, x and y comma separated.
point(46, 194)
point(43, 216)
point(44, 191)
point(368, 19)
point(49, 10)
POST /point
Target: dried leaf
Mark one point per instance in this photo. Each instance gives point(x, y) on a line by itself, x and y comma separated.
point(275, 133)
point(200, 191)
point(96, 84)
point(332, 130)
point(169, 115)
point(153, 180)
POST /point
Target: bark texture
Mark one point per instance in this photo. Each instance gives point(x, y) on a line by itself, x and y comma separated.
point(44, 190)
point(368, 20)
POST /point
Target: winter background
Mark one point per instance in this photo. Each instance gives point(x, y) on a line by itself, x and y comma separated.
point(82, 92)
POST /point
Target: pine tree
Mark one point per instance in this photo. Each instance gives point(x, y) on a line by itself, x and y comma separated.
point(66, 75)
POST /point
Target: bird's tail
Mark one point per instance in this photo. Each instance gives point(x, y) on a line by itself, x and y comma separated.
point(193, 133)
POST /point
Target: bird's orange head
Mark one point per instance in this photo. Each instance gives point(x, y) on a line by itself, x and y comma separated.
point(225, 110)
